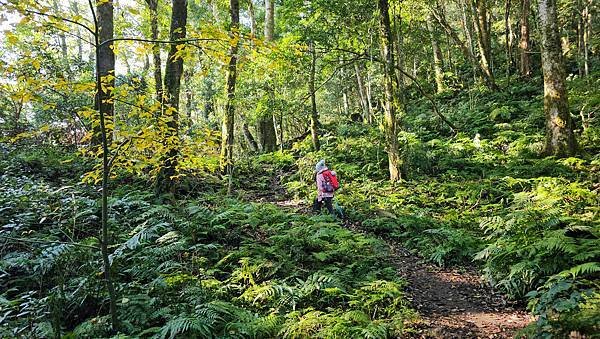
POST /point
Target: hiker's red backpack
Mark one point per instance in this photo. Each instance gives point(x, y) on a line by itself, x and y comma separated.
point(331, 182)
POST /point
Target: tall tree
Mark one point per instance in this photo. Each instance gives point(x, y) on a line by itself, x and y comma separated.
point(153, 7)
point(364, 102)
point(484, 40)
point(314, 114)
point(266, 127)
point(524, 44)
point(61, 35)
point(172, 86)
point(586, 18)
point(508, 36)
point(394, 160)
point(228, 119)
point(468, 53)
point(75, 11)
point(250, 140)
point(438, 62)
point(467, 25)
point(105, 58)
point(105, 81)
point(560, 140)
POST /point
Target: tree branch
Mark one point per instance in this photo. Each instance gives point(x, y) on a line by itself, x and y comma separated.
point(33, 12)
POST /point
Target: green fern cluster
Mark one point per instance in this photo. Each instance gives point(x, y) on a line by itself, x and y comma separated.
point(549, 242)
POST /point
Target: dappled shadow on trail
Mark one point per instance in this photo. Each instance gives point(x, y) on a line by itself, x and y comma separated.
point(455, 304)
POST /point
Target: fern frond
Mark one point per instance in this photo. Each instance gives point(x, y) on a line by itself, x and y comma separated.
point(581, 270)
point(51, 256)
point(183, 324)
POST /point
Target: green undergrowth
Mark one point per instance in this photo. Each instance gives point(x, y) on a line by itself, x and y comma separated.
point(202, 267)
point(484, 197)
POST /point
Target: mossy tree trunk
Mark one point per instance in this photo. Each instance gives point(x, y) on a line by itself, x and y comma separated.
point(394, 160)
point(438, 58)
point(484, 41)
point(560, 140)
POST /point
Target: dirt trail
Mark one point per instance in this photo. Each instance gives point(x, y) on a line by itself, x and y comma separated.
point(451, 303)
point(455, 304)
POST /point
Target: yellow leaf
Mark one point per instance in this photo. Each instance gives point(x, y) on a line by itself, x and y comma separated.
point(12, 39)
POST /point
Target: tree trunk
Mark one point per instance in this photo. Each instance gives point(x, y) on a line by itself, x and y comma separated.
point(75, 11)
point(266, 134)
point(172, 86)
point(399, 43)
point(314, 115)
point(252, 16)
point(587, 31)
point(269, 20)
point(362, 93)
point(468, 53)
point(438, 62)
point(229, 118)
point(508, 37)
point(345, 103)
point(153, 6)
point(61, 35)
point(525, 66)
point(580, 34)
point(249, 138)
point(266, 127)
point(394, 160)
point(560, 140)
point(188, 75)
point(105, 71)
point(484, 41)
point(467, 25)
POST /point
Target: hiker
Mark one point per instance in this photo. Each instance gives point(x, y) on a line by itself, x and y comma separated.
point(327, 183)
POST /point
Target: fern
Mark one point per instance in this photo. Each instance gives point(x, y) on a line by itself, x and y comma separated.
point(184, 324)
point(581, 270)
point(374, 331)
point(51, 256)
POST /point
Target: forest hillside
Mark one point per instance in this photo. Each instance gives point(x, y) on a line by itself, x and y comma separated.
point(159, 163)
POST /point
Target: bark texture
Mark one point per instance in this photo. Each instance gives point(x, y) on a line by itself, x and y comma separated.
point(364, 103)
point(524, 44)
point(394, 160)
point(484, 41)
point(105, 68)
point(438, 61)
point(153, 6)
point(266, 127)
point(249, 138)
point(105, 71)
point(560, 140)
point(172, 87)
point(229, 118)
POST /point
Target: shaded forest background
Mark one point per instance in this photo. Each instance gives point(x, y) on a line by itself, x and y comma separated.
point(143, 144)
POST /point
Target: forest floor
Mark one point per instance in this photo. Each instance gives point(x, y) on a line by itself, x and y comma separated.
point(451, 302)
